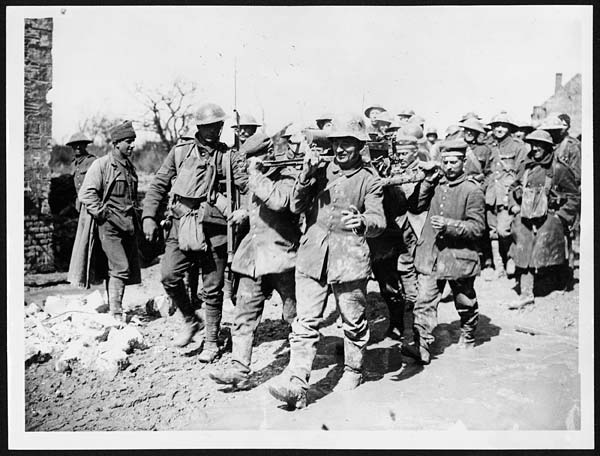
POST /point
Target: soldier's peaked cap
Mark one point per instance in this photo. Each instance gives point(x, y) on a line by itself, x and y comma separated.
point(78, 137)
point(454, 147)
point(404, 140)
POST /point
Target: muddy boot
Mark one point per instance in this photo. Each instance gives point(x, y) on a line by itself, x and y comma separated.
point(466, 339)
point(498, 262)
point(349, 381)
point(291, 391)
point(396, 325)
point(190, 327)
point(237, 375)
point(212, 319)
point(525, 292)
point(116, 289)
point(417, 350)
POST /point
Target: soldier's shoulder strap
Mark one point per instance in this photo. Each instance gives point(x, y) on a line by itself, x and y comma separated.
point(182, 151)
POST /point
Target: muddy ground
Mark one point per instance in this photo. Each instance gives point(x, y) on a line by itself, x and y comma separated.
point(510, 380)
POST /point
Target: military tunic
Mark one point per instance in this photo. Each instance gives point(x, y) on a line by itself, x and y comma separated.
point(330, 253)
point(569, 152)
point(81, 164)
point(265, 258)
point(109, 194)
point(540, 242)
point(450, 255)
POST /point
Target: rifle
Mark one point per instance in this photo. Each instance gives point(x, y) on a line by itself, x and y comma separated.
point(293, 162)
point(228, 172)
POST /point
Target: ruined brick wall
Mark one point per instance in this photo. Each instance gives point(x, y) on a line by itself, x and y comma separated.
point(37, 145)
point(566, 99)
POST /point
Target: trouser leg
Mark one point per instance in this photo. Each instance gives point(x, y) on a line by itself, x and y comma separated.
point(386, 273)
point(465, 301)
point(212, 263)
point(248, 312)
point(425, 311)
point(311, 299)
point(351, 299)
point(285, 284)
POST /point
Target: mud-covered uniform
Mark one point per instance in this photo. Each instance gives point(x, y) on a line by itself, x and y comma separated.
point(332, 255)
point(265, 258)
point(190, 174)
point(450, 256)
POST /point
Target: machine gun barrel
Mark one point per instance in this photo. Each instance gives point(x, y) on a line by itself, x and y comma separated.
point(404, 178)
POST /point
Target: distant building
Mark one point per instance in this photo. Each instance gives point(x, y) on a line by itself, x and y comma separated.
point(566, 99)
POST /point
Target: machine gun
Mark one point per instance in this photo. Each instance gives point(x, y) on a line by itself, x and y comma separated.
point(293, 162)
point(404, 177)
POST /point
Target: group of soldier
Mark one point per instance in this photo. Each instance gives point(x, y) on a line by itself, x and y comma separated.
point(320, 211)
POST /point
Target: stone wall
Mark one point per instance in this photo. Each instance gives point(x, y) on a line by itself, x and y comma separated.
point(37, 145)
point(566, 99)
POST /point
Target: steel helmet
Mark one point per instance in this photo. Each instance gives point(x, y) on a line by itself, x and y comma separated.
point(472, 124)
point(375, 106)
point(294, 133)
point(385, 117)
point(431, 131)
point(412, 129)
point(552, 122)
point(470, 115)
point(210, 113)
point(394, 126)
point(406, 112)
point(247, 120)
point(324, 117)
point(451, 130)
point(539, 136)
point(525, 126)
point(78, 138)
point(417, 120)
point(503, 118)
point(350, 125)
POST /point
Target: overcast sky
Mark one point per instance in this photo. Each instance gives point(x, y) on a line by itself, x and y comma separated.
point(294, 62)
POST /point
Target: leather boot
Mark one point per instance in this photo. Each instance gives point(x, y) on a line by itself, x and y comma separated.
point(289, 390)
point(350, 380)
point(212, 321)
point(185, 336)
point(498, 262)
point(237, 375)
point(396, 325)
point(525, 291)
point(190, 326)
point(116, 289)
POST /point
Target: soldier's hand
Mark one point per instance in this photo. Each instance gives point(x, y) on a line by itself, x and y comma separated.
point(353, 219)
point(515, 209)
point(149, 227)
point(431, 169)
point(238, 216)
point(310, 165)
point(438, 223)
point(255, 165)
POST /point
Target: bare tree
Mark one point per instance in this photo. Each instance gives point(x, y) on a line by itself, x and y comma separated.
point(97, 128)
point(168, 111)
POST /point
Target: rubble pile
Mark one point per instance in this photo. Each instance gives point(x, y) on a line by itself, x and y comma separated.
point(79, 334)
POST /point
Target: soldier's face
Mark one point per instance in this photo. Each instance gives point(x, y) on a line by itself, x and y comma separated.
point(406, 156)
point(373, 116)
point(125, 147)
point(470, 135)
point(432, 138)
point(245, 132)
point(346, 150)
point(79, 148)
point(519, 134)
point(500, 131)
point(453, 166)
point(538, 150)
point(210, 132)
